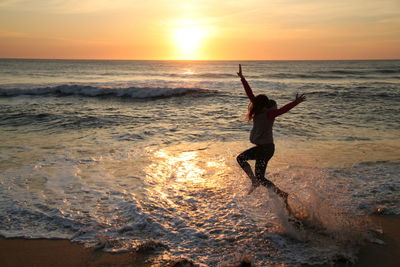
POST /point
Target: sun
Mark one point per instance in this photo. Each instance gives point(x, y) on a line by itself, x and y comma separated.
point(188, 41)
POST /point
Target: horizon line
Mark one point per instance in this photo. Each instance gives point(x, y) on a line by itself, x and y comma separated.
point(109, 59)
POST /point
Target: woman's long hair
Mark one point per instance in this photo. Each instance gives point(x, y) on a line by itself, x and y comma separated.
point(260, 102)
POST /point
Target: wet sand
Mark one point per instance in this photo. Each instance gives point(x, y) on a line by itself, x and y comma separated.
point(385, 255)
point(44, 252)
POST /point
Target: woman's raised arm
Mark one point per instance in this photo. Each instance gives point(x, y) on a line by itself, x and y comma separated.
point(272, 114)
point(246, 85)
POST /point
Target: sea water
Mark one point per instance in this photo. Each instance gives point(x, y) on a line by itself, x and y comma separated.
point(120, 155)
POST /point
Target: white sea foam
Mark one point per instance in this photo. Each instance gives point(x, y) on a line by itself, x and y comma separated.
point(91, 91)
point(190, 199)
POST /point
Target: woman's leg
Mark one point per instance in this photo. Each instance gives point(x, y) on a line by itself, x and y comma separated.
point(262, 163)
point(261, 166)
point(242, 159)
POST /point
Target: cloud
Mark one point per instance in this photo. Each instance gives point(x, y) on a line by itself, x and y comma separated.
point(319, 14)
point(4, 3)
point(66, 6)
point(13, 34)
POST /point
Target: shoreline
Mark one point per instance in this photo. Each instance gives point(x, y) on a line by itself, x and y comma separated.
point(61, 252)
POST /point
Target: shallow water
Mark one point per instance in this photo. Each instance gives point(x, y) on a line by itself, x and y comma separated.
point(117, 153)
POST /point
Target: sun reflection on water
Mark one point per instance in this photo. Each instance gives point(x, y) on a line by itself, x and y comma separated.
point(189, 72)
point(185, 168)
point(183, 180)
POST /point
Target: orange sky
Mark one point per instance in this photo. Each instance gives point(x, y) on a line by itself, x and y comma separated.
point(201, 29)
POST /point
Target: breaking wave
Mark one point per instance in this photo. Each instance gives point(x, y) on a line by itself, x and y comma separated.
point(91, 91)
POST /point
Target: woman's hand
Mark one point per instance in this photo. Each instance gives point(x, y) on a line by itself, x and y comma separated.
point(300, 98)
point(240, 74)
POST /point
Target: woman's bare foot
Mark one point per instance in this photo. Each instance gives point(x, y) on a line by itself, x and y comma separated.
point(253, 187)
point(284, 196)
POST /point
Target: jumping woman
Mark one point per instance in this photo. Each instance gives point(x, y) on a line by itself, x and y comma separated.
point(262, 111)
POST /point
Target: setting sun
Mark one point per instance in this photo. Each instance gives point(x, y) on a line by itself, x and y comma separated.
point(189, 40)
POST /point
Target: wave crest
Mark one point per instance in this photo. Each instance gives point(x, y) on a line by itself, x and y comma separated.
point(91, 91)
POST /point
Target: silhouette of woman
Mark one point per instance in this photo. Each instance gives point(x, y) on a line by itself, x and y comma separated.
point(263, 112)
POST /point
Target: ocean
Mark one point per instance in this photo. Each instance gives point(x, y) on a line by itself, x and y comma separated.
point(121, 155)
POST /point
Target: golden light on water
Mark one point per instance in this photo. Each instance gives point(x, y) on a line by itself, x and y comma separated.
point(189, 72)
point(183, 166)
point(179, 168)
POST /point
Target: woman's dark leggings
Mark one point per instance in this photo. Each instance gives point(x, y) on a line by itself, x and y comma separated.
point(261, 154)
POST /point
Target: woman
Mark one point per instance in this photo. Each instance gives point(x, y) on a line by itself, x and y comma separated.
point(263, 112)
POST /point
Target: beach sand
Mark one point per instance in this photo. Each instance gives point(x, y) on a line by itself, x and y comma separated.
point(387, 254)
point(43, 252)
